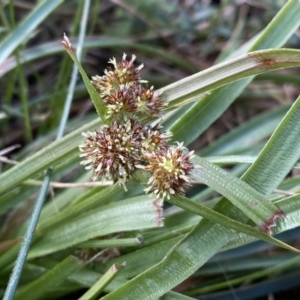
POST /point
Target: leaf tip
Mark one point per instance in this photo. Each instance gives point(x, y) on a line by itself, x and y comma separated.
point(118, 267)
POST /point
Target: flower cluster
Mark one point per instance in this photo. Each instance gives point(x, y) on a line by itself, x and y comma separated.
point(114, 152)
point(123, 93)
point(117, 149)
point(170, 168)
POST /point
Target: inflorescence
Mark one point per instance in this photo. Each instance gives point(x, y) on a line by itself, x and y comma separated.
point(124, 144)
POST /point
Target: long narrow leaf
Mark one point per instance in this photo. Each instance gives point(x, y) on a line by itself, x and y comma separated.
point(276, 149)
point(246, 65)
point(25, 28)
point(95, 96)
point(252, 203)
point(103, 281)
point(131, 214)
point(96, 199)
point(38, 288)
point(51, 48)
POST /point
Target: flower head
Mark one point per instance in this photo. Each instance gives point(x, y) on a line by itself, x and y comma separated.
point(128, 101)
point(153, 140)
point(117, 149)
point(114, 151)
point(120, 104)
point(170, 169)
point(123, 74)
point(111, 152)
point(148, 102)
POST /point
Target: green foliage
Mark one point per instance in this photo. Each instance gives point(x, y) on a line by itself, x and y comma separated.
point(96, 240)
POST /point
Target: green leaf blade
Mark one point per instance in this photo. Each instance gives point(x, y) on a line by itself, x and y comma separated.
point(252, 203)
point(38, 288)
point(95, 96)
point(26, 27)
point(287, 133)
point(132, 214)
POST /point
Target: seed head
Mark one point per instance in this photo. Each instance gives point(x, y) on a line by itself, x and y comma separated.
point(148, 102)
point(133, 100)
point(153, 140)
point(123, 74)
point(115, 151)
point(119, 104)
point(170, 169)
point(112, 152)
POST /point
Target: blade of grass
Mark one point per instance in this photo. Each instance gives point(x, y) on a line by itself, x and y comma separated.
point(142, 259)
point(208, 213)
point(95, 96)
point(130, 214)
point(17, 270)
point(103, 281)
point(93, 199)
point(56, 103)
point(38, 288)
point(24, 99)
point(289, 205)
point(252, 203)
point(26, 27)
point(286, 134)
point(53, 48)
point(246, 65)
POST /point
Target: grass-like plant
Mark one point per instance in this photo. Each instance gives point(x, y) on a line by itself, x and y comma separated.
point(107, 237)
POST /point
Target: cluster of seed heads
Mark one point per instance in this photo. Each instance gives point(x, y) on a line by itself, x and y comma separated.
point(124, 144)
point(124, 95)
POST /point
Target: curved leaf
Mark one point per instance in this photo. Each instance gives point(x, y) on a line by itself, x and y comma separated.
point(54, 277)
point(283, 158)
point(95, 96)
point(252, 203)
point(26, 27)
point(103, 281)
point(131, 214)
point(249, 64)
